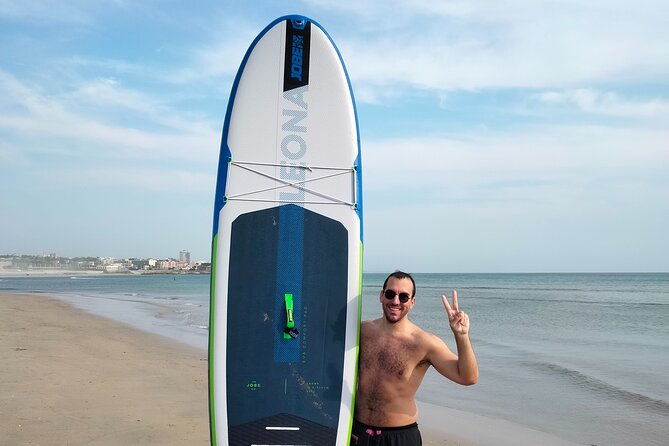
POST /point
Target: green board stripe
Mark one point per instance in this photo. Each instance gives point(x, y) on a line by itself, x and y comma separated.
point(357, 346)
point(212, 306)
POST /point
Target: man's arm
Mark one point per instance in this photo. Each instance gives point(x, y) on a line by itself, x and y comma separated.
point(462, 368)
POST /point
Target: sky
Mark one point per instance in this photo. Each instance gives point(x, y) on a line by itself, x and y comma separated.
point(497, 135)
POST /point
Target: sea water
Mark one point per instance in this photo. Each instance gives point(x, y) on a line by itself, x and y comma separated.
point(582, 356)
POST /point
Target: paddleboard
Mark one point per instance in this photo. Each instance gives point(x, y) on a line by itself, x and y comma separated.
point(287, 246)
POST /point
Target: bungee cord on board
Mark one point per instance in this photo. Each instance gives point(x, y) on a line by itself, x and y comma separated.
point(340, 171)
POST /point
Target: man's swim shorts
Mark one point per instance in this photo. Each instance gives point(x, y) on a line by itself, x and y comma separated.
point(364, 435)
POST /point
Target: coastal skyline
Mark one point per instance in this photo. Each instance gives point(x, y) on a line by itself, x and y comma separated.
point(11, 264)
point(497, 136)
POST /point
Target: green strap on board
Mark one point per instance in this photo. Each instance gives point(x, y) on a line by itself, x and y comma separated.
point(290, 332)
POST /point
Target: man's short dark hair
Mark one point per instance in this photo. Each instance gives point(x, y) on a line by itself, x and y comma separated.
point(401, 275)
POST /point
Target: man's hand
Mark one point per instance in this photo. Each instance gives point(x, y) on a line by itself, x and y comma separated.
point(458, 320)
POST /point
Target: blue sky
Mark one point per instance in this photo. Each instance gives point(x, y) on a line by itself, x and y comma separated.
point(497, 136)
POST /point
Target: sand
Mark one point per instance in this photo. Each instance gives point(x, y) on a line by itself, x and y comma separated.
point(71, 378)
point(442, 426)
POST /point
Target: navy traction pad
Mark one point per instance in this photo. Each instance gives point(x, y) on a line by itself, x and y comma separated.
point(286, 249)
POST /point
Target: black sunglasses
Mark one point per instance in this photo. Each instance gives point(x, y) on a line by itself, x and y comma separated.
point(390, 295)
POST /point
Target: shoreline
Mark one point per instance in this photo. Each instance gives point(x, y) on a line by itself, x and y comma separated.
point(10, 273)
point(83, 378)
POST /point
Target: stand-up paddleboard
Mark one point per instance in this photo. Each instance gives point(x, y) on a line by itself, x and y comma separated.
point(287, 246)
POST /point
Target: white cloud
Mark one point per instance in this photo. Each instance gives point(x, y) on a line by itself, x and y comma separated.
point(509, 44)
point(218, 61)
point(605, 103)
point(63, 124)
point(110, 95)
point(144, 178)
point(550, 162)
point(221, 56)
point(43, 11)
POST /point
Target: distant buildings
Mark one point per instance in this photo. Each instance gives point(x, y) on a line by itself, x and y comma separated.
point(103, 264)
point(184, 256)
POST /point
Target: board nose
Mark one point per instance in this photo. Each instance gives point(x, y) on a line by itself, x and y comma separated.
point(299, 23)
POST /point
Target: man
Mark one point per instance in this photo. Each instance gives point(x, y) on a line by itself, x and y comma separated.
point(394, 357)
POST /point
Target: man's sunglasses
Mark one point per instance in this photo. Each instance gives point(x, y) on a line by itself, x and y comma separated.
point(390, 295)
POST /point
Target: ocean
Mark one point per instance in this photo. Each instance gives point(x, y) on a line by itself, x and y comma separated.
point(584, 357)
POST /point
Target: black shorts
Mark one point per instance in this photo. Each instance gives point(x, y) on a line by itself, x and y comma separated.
point(364, 435)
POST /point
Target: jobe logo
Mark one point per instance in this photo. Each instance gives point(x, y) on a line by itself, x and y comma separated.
point(297, 58)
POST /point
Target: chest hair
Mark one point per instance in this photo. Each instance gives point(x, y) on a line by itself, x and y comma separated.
point(391, 356)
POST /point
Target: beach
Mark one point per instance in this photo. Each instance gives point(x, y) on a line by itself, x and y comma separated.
point(73, 378)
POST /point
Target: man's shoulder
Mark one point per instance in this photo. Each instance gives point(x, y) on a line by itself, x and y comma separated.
point(369, 325)
point(371, 322)
point(426, 339)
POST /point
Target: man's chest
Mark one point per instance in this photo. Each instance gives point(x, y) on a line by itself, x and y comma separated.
point(390, 357)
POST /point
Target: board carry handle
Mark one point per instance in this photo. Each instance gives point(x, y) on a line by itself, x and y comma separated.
point(290, 332)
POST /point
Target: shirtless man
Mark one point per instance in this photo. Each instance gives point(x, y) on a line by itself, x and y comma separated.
point(394, 357)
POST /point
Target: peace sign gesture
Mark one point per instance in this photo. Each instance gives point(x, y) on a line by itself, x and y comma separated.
point(458, 320)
